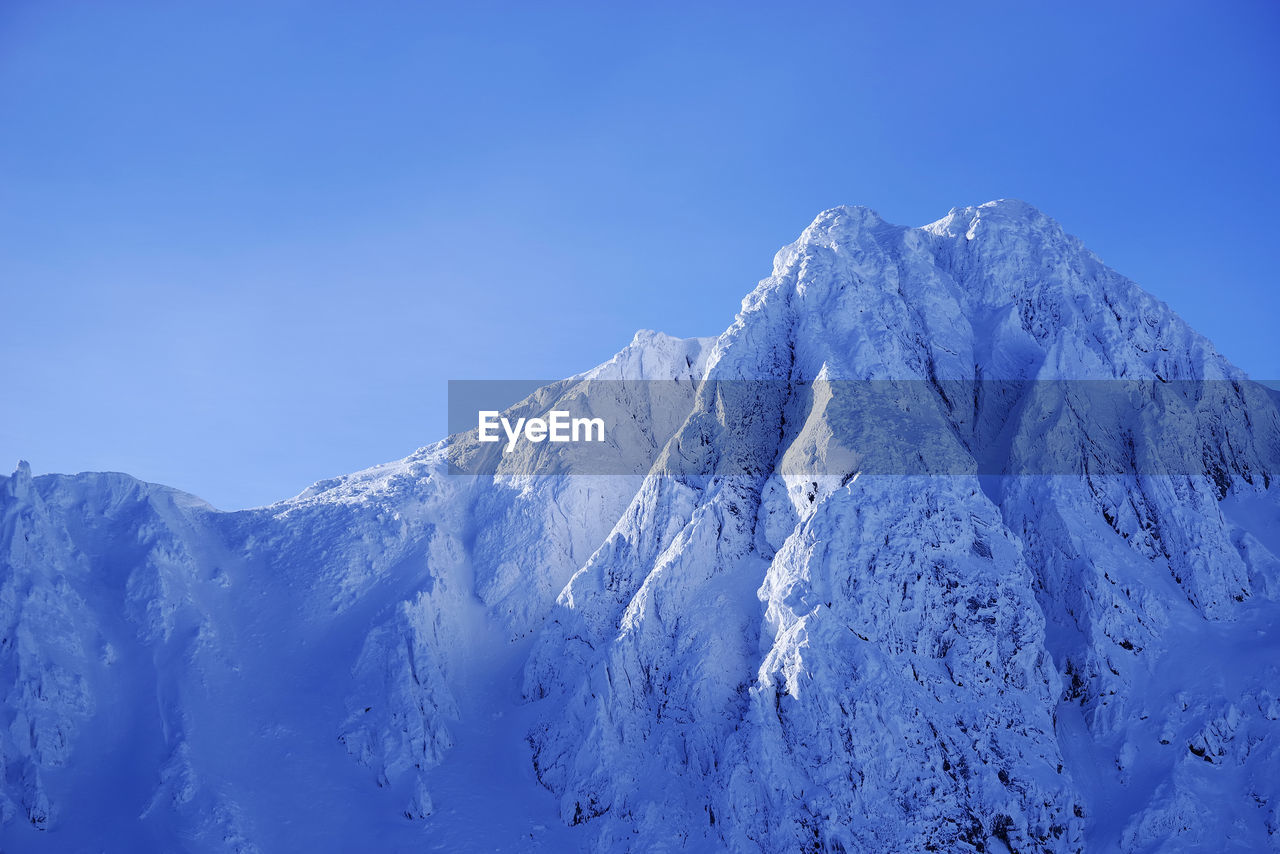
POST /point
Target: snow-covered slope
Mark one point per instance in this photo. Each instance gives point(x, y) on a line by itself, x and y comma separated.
point(408, 659)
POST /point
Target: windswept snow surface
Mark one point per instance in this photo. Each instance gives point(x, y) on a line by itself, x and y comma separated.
point(408, 660)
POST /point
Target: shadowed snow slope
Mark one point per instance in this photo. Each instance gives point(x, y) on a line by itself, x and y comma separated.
point(404, 659)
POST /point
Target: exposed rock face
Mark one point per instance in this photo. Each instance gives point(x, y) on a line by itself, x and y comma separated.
point(751, 661)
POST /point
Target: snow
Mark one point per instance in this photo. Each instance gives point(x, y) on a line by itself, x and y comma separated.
point(408, 659)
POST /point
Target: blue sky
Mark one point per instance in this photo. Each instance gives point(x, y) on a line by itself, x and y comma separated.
point(243, 246)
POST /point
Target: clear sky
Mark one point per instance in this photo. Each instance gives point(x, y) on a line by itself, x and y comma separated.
point(244, 245)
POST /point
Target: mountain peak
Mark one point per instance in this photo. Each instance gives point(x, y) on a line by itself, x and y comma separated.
point(853, 225)
point(843, 223)
point(645, 337)
point(652, 354)
point(848, 213)
point(1003, 214)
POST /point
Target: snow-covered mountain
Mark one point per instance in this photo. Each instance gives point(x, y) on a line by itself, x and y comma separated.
point(761, 660)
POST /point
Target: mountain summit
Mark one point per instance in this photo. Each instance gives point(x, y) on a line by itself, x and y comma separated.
point(687, 659)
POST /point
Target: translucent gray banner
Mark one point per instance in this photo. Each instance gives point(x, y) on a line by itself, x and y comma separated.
point(1218, 428)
